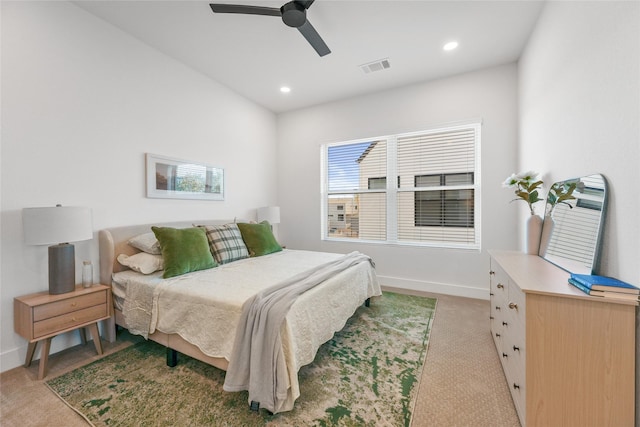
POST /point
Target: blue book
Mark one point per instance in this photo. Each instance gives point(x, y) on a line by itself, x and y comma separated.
point(603, 283)
point(621, 296)
point(604, 294)
point(579, 286)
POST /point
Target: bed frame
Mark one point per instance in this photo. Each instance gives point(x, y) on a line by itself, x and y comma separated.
point(112, 242)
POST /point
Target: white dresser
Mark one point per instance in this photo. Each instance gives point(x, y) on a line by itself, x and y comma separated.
point(569, 358)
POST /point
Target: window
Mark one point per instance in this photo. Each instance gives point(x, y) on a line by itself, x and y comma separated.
point(435, 201)
point(448, 208)
point(379, 183)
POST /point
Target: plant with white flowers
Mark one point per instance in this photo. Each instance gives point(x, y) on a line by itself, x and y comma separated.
point(526, 187)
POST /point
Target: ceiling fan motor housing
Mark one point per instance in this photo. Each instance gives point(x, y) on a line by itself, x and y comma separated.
point(293, 14)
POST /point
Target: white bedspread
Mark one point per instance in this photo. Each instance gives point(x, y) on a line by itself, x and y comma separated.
point(204, 307)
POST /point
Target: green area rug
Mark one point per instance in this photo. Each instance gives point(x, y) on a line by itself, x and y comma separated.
point(366, 375)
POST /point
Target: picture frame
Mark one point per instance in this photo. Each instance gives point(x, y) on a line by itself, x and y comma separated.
point(171, 178)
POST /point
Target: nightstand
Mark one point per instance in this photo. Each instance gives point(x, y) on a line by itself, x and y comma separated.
point(41, 316)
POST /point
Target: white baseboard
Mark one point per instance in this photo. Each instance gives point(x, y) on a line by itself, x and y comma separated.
point(438, 288)
point(12, 359)
point(16, 357)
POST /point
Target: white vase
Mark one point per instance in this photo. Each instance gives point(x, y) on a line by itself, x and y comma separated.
point(532, 231)
point(547, 228)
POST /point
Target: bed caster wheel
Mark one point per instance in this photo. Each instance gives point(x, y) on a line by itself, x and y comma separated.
point(254, 406)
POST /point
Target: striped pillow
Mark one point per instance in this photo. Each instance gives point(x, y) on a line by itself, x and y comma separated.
point(225, 242)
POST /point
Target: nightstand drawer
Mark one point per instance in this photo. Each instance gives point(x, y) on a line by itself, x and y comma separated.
point(69, 320)
point(69, 305)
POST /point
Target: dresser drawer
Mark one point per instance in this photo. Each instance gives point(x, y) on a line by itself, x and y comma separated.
point(498, 297)
point(56, 324)
point(518, 389)
point(514, 347)
point(69, 305)
point(497, 315)
point(497, 310)
point(499, 282)
point(516, 303)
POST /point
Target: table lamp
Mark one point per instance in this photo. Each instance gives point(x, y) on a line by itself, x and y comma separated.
point(270, 214)
point(56, 226)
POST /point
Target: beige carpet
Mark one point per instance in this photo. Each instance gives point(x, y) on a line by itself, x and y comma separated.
point(462, 385)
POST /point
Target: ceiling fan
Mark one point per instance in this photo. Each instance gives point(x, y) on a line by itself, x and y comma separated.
point(293, 13)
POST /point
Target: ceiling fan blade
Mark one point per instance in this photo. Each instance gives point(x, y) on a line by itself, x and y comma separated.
point(305, 3)
point(248, 10)
point(314, 38)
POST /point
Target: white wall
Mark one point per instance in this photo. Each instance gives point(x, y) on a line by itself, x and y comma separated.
point(81, 104)
point(488, 94)
point(580, 114)
point(579, 98)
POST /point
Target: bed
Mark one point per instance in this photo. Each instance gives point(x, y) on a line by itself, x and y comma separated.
point(198, 313)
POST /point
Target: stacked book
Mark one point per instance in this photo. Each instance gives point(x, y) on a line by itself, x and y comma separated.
point(606, 287)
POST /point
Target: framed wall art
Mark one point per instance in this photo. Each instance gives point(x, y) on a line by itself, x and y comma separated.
point(169, 178)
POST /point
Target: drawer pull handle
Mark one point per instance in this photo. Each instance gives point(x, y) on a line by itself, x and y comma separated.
point(73, 304)
point(497, 335)
point(73, 319)
point(515, 386)
point(490, 317)
point(505, 355)
point(500, 286)
point(497, 307)
point(513, 306)
point(491, 273)
point(505, 324)
point(516, 348)
point(490, 294)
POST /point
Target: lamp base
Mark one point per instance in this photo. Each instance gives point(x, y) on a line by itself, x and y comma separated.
point(62, 269)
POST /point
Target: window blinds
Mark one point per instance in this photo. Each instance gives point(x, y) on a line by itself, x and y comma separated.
point(436, 153)
point(437, 171)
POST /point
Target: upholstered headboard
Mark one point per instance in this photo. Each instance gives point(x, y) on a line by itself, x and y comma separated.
point(113, 242)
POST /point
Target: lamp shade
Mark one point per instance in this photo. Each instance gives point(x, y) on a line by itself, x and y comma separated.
point(59, 224)
point(270, 214)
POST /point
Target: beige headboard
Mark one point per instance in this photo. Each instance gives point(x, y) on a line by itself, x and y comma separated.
point(113, 242)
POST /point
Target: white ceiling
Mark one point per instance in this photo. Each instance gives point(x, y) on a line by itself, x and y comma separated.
point(256, 55)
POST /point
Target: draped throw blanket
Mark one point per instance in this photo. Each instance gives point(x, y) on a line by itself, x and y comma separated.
point(258, 361)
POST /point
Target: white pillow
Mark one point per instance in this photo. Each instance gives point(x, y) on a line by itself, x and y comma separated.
point(146, 242)
point(142, 263)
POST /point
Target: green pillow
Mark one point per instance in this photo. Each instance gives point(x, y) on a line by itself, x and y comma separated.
point(183, 250)
point(259, 238)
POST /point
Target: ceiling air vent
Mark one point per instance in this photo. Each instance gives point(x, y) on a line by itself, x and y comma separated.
point(379, 65)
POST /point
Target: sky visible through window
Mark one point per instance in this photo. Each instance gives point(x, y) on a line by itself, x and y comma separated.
point(344, 170)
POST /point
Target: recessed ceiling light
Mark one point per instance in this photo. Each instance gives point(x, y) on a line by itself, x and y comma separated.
point(285, 89)
point(450, 46)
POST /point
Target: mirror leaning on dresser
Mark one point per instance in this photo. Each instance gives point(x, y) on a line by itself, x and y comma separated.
point(573, 226)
